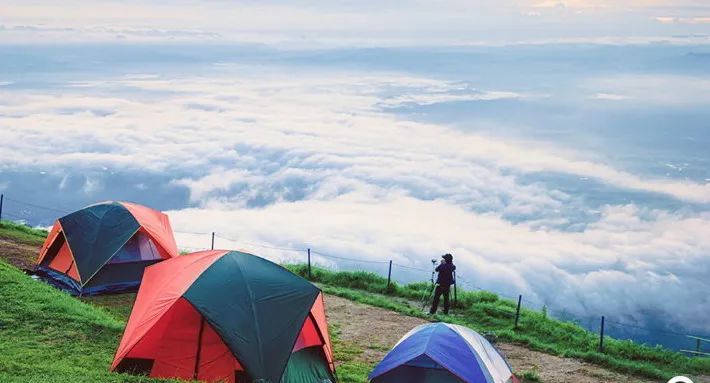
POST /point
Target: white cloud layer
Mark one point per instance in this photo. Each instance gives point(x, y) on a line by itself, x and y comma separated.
point(623, 266)
point(316, 122)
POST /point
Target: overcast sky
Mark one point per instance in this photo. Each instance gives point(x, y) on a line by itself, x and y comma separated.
point(558, 149)
point(296, 23)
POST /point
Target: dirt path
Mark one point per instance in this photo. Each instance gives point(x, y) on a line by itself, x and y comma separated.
point(376, 330)
point(18, 254)
point(553, 369)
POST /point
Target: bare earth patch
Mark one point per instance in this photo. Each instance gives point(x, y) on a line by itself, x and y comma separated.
point(555, 369)
point(372, 329)
point(18, 254)
point(376, 331)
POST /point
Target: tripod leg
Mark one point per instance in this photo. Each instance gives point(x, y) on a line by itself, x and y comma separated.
point(426, 298)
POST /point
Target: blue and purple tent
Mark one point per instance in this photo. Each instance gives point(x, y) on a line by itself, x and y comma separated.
point(443, 353)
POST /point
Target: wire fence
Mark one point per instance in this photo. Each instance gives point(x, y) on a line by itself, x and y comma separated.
point(21, 211)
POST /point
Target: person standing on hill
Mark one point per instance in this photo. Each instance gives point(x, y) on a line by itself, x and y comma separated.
point(444, 280)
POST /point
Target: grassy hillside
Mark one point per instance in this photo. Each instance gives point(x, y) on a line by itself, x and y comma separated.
point(21, 233)
point(487, 313)
point(48, 336)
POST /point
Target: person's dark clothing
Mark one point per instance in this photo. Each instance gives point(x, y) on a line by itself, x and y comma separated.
point(441, 290)
point(446, 274)
point(444, 280)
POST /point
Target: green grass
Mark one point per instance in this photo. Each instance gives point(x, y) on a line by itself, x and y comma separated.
point(350, 368)
point(118, 305)
point(48, 336)
point(530, 376)
point(22, 233)
point(488, 314)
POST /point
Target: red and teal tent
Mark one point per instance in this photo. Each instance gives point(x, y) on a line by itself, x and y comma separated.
point(227, 316)
point(105, 248)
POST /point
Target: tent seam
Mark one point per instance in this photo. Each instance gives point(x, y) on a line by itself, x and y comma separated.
point(112, 255)
point(70, 252)
point(254, 314)
point(296, 340)
point(164, 313)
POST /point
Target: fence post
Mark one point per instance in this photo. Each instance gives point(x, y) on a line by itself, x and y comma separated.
point(601, 336)
point(213, 240)
point(517, 311)
point(2, 196)
point(389, 276)
point(697, 345)
point(309, 263)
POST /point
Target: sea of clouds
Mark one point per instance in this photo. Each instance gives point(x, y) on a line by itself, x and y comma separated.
point(304, 158)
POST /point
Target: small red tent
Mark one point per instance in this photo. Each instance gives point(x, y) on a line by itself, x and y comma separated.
point(105, 248)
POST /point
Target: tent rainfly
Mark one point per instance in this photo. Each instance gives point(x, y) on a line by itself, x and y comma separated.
point(227, 316)
point(104, 248)
point(443, 353)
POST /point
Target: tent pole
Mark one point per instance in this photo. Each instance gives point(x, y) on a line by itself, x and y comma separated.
point(199, 348)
